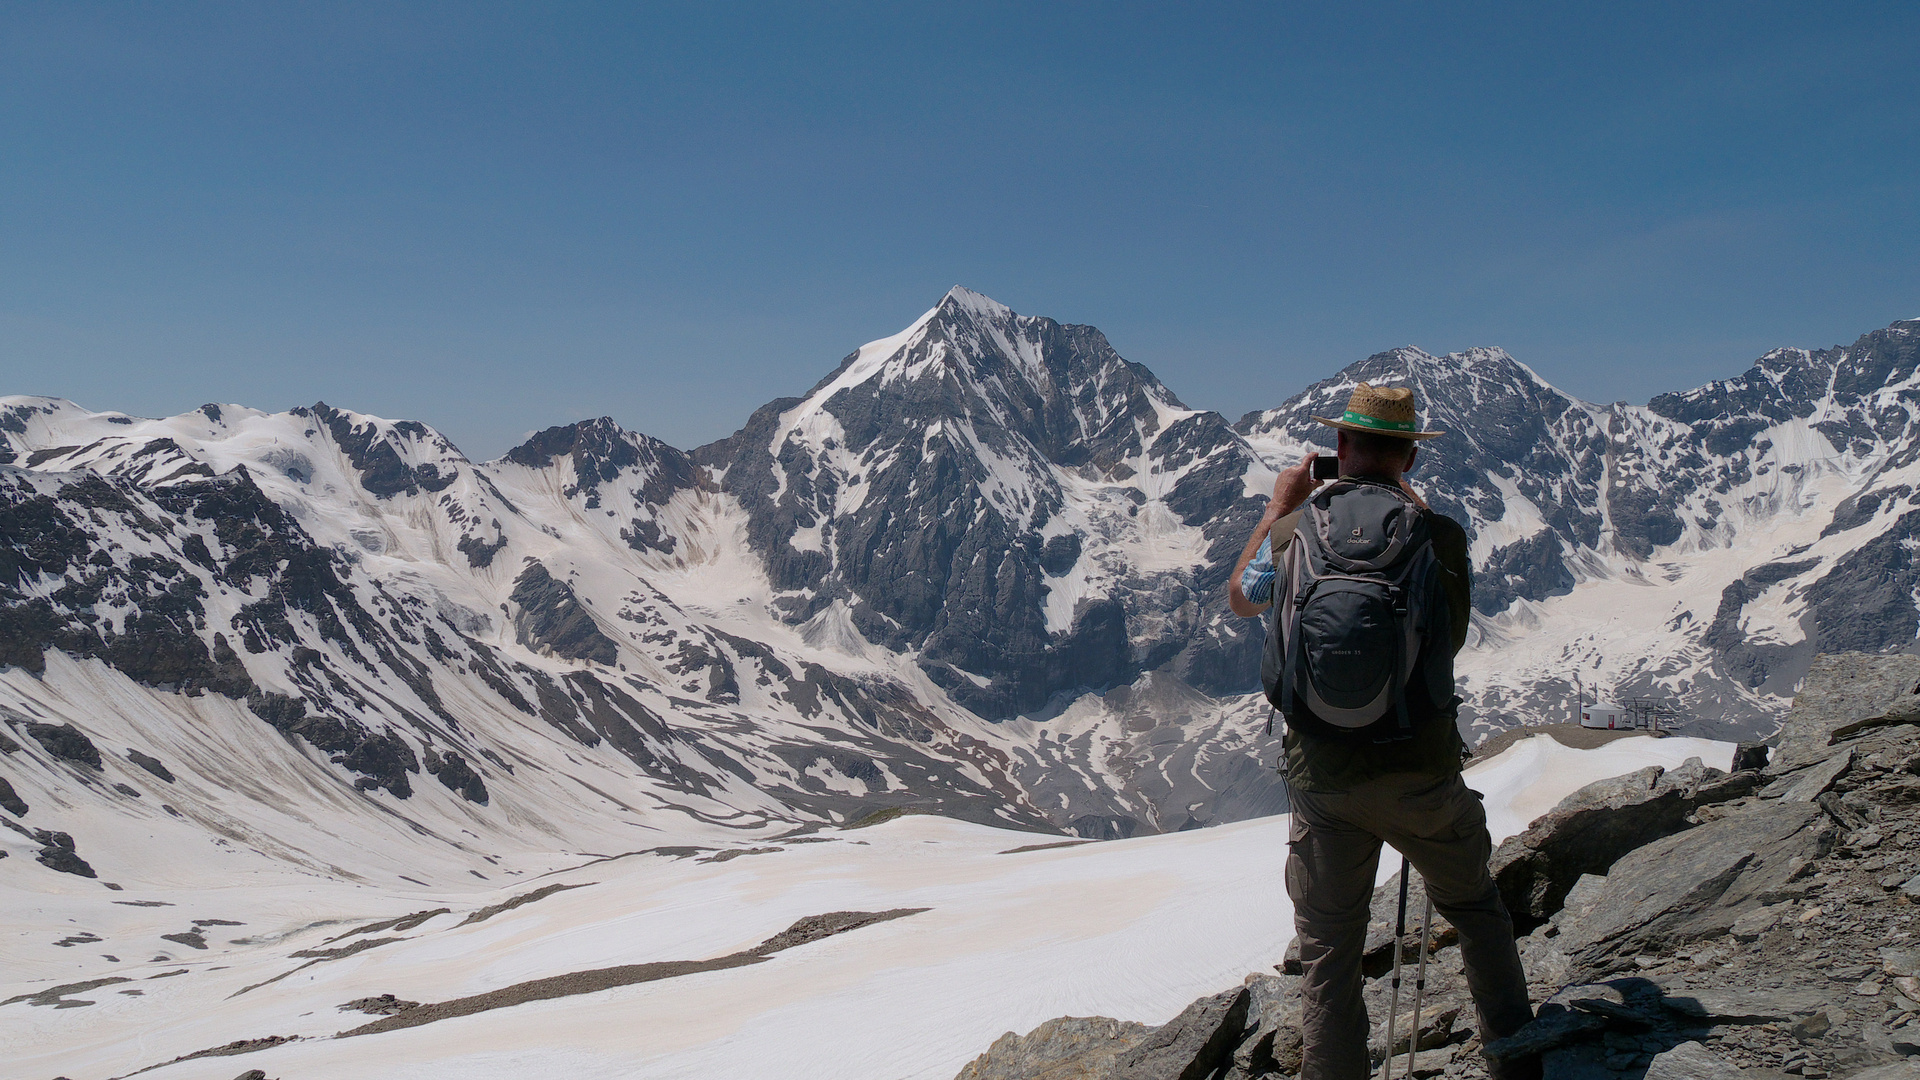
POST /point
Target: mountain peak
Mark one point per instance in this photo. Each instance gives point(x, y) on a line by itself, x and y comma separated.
point(961, 298)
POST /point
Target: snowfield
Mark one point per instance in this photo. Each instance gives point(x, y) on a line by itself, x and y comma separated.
point(1008, 938)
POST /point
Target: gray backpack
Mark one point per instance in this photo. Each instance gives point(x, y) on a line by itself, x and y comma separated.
point(1355, 603)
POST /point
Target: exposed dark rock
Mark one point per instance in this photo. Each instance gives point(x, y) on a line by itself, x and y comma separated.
point(57, 853)
point(1103, 827)
point(550, 618)
point(480, 552)
point(1750, 755)
point(453, 771)
point(1696, 884)
point(816, 927)
point(1866, 601)
point(1068, 1048)
point(1598, 824)
point(943, 554)
point(1191, 1046)
point(1808, 784)
point(66, 742)
point(1741, 657)
point(601, 451)
point(1842, 690)
point(1060, 553)
point(1748, 1005)
point(11, 800)
point(541, 893)
point(1531, 569)
point(383, 1005)
point(150, 763)
point(373, 453)
point(1271, 1040)
point(60, 997)
point(801, 933)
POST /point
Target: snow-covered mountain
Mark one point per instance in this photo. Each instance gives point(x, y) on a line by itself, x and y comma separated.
point(1699, 549)
point(976, 570)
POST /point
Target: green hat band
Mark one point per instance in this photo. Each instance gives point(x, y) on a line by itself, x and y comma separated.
point(1375, 422)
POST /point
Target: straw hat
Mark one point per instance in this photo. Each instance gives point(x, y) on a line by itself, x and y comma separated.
point(1382, 410)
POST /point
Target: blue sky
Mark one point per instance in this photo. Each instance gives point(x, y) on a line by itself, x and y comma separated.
point(496, 217)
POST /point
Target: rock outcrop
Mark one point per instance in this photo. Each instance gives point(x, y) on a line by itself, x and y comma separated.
point(1685, 924)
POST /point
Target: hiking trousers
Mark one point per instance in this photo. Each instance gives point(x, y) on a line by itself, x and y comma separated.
point(1333, 858)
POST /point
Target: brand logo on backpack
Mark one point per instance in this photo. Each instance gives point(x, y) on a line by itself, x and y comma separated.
point(1349, 625)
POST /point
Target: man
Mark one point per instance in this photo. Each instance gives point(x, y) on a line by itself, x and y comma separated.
point(1396, 780)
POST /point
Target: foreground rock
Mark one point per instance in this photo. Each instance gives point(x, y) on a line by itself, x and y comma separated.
point(1680, 925)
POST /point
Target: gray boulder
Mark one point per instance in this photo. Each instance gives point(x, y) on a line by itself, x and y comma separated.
point(1691, 1061)
point(1698, 883)
point(1066, 1048)
point(1272, 1040)
point(67, 743)
point(1811, 782)
point(10, 800)
point(1192, 1046)
point(1597, 825)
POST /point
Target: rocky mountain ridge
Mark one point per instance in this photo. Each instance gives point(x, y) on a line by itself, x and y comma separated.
point(975, 571)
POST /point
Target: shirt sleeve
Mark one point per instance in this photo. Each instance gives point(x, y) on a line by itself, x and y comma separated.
point(1256, 581)
point(1450, 548)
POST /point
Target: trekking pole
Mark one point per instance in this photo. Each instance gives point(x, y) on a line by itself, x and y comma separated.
point(1393, 995)
point(1420, 979)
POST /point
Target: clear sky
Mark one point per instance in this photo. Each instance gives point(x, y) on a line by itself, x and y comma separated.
point(497, 217)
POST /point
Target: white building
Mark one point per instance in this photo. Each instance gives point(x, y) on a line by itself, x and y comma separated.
point(1601, 715)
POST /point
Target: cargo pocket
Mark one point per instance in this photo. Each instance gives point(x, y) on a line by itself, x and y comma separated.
point(1439, 812)
point(1296, 872)
point(1471, 820)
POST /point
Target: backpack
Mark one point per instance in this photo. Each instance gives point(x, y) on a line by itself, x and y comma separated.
point(1356, 602)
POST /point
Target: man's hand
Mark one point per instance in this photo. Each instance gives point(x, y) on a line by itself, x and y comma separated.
point(1291, 489)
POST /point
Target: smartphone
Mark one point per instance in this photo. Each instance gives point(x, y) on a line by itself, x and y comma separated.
point(1326, 467)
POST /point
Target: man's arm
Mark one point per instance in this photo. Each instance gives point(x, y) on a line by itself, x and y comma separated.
point(1450, 549)
point(1291, 489)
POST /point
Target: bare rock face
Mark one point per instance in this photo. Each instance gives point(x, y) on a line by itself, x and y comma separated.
point(10, 800)
point(1249, 1031)
point(151, 764)
point(67, 743)
point(1843, 690)
point(1191, 1046)
point(1698, 883)
point(58, 853)
point(1598, 824)
point(550, 618)
point(1067, 1048)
